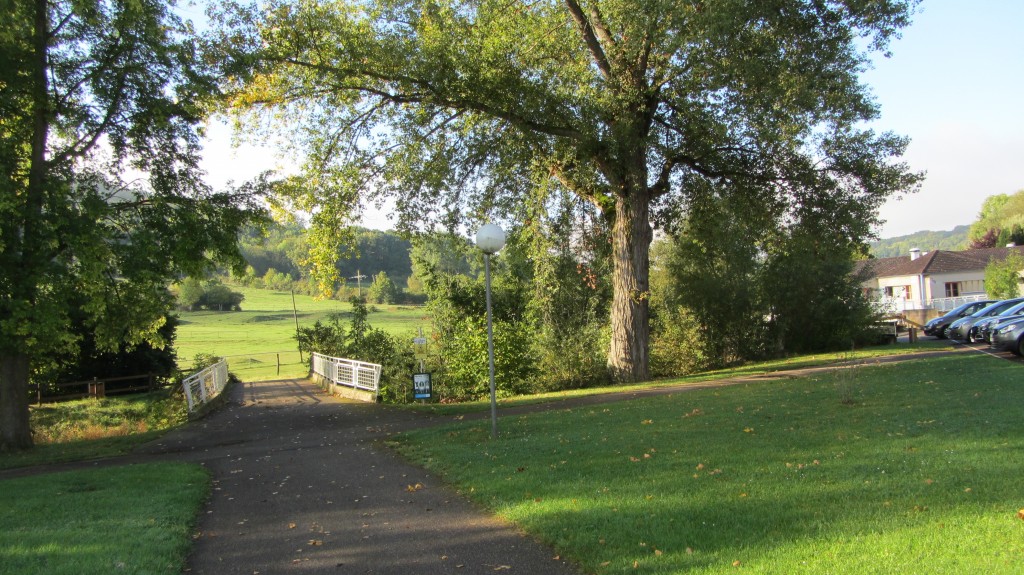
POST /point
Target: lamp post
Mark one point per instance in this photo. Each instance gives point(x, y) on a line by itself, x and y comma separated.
point(490, 238)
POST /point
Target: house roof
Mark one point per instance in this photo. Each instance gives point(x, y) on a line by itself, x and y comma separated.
point(936, 262)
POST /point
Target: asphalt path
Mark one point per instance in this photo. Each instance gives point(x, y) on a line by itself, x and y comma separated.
point(300, 487)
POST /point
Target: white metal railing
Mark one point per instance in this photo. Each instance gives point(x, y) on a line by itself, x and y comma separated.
point(205, 385)
point(887, 305)
point(948, 303)
point(347, 372)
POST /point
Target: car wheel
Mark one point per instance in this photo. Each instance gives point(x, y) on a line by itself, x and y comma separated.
point(1019, 348)
point(941, 333)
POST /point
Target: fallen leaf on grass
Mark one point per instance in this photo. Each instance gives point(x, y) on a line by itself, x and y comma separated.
point(1020, 514)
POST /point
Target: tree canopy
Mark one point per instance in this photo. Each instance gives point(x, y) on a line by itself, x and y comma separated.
point(101, 199)
point(1001, 221)
point(464, 111)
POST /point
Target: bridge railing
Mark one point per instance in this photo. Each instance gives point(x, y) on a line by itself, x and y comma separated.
point(347, 372)
point(201, 387)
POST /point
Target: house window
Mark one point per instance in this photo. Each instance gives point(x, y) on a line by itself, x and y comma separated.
point(898, 291)
point(952, 289)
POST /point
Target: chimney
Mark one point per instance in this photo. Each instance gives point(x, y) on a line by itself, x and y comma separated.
point(914, 254)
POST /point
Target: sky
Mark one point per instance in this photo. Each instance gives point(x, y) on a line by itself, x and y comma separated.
point(954, 85)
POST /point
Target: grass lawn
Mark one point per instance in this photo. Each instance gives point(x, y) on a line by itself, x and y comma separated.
point(920, 473)
point(259, 342)
point(134, 519)
point(91, 428)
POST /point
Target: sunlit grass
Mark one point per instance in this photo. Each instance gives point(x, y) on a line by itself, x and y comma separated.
point(259, 341)
point(131, 519)
point(919, 474)
point(93, 428)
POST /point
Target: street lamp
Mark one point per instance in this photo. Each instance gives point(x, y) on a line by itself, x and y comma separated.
point(490, 238)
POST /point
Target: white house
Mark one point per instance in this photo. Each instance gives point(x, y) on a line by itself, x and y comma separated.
point(938, 280)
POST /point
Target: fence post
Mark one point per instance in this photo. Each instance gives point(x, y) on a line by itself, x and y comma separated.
point(278, 364)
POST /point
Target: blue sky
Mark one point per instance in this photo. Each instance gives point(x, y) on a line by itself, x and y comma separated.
point(954, 84)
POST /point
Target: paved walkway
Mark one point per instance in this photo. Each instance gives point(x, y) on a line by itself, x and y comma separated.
point(299, 487)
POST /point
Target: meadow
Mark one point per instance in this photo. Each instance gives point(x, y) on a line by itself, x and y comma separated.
point(259, 341)
point(901, 468)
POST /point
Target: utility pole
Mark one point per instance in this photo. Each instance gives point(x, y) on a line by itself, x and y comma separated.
point(359, 282)
point(295, 314)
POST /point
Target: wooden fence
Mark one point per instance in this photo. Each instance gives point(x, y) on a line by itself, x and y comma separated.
point(95, 388)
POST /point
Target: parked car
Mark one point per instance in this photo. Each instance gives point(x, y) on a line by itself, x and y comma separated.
point(960, 329)
point(982, 330)
point(937, 326)
point(1009, 336)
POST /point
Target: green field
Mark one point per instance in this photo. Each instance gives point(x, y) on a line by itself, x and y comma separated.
point(259, 341)
point(901, 468)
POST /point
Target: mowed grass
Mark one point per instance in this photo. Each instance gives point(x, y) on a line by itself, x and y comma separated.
point(135, 519)
point(921, 473)
point(259, 342)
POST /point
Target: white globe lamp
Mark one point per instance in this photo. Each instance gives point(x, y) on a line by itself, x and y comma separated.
point(490, 238)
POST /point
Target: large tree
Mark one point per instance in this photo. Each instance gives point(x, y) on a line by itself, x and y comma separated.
point(92, 91)
point(456, 108)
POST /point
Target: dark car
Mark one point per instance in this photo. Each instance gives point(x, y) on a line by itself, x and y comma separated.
point(982, 330)
point(1009, 335)
point(961, 328)
point(938, 326)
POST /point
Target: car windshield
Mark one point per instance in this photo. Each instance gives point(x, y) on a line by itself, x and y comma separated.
point(995, 308)
point(960, 311)
point(1013, 310)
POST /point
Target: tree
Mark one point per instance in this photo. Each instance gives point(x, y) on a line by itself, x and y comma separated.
point(91, 90)
point(190, 293)
point(1003, 277)
point(999, 222)
point(460, 109)
point(382, 290)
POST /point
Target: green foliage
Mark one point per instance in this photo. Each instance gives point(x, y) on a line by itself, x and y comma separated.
point(740, 282)
point(101, 196)
point(569, 304)
point(927, 241)
point(1000, 221)
point(212, 295)
point(382, 289)
point(362, 342)
point(463, 111)
point(457, 305)
point(1003, 277)
point(90, 361)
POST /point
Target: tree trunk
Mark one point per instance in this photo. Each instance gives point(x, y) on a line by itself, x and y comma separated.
point(15, 432)
point(628, 358)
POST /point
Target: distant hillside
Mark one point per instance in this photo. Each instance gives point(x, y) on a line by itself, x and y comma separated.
point(954, 240)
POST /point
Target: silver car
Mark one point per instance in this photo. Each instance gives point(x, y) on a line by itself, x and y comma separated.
point(960, 329)
point(1009, 336)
